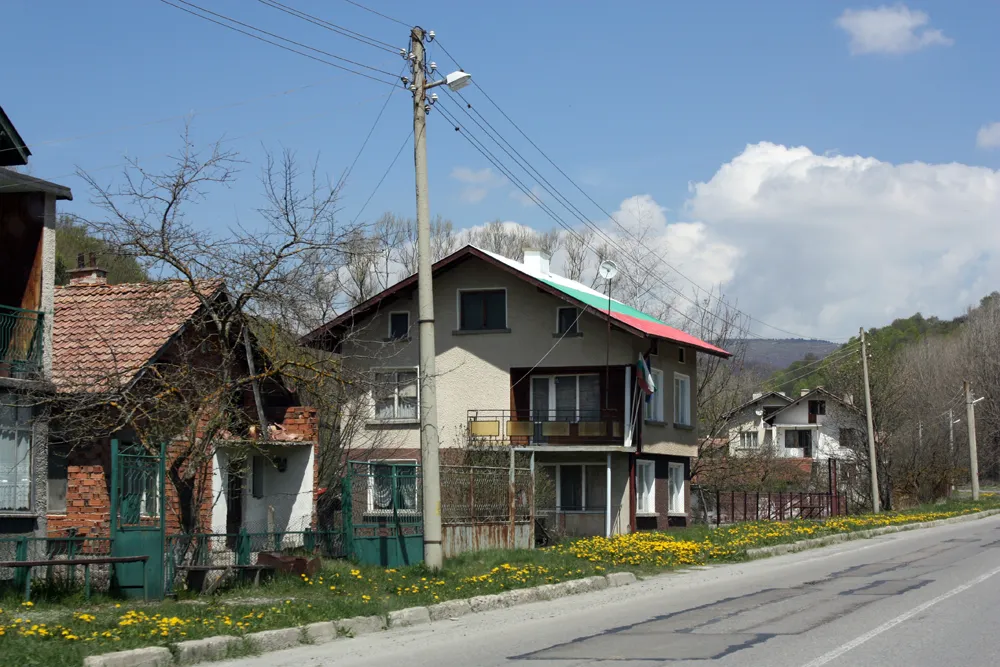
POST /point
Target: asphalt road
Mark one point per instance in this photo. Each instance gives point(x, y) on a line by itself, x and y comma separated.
point(921, 598)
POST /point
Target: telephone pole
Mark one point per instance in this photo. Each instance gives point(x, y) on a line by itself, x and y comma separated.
point(951, 448)
point(429, 443)
point(970, 415)
point(876, 502)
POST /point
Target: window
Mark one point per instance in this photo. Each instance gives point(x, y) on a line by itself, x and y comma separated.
point(568, 321)
point(15, 453)
point(482, 310)
point(565, 397)
point(675, 482)
point(681, 355)
point(645, 487)
point(399, 326)
point(392, 487)
point(140, 485)
point(581, 487)
point(58, 478)
point(257, 477)
point(396, 395)
point(682, 400)
point(749, 440)
point(654, 403)
point(816, 409)
point(799, 439)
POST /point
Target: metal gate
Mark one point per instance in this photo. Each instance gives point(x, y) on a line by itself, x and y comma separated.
point(383, 522)
point(138, 522)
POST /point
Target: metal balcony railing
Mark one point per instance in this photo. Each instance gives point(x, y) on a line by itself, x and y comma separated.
point(547, 427)
point(21, 341)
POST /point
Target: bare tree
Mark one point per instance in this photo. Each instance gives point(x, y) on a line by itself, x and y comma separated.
point(577, 254)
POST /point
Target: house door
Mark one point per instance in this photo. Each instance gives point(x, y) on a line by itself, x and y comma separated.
point(138, 524)
point(234, 498)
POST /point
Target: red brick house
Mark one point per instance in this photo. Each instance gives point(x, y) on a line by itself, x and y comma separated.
point(108, 337)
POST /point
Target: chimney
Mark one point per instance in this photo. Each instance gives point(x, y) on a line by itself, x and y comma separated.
point(84, 275)
point(757, 395)
point(849, 399)
point(804, 392)
point(537, 261)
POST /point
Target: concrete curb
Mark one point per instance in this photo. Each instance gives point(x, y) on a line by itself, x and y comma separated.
point(780, 549)
point(217, 648)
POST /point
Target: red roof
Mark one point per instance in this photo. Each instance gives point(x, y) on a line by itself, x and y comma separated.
point(102, 335)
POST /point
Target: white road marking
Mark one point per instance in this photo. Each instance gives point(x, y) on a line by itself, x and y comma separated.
point(888, 625)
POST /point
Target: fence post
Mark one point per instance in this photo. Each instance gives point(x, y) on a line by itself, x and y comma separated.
point(309, 540)
point(781, 507)
point(531, 497)
point(71, 553)
point(757, 505)
point(718, 509)
point(744, 505)
point(243, 547)
point(22, 574)
point(511, 500)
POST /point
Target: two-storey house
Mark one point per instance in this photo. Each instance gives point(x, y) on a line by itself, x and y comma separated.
point(27, 279)
point(526, 358)
point(817, 425)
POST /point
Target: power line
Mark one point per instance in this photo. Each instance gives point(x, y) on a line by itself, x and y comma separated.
point(369, 9)
point(333, 27)
point(839, 355)
point(601, 208)
point(384, 175)
point(371, 130)
point(282, 46)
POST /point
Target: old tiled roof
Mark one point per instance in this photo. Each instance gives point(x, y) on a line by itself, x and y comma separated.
point(103, 335)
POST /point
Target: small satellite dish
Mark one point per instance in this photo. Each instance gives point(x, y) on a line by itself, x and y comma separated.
point(759, 412)
point(608, 269)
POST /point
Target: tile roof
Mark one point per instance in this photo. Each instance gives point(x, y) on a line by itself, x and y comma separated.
point(102, 335)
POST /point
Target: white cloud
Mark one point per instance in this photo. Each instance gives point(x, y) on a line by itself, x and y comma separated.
point(895, 29)
point(831, 243)
point(478, 184)
point(988, 136)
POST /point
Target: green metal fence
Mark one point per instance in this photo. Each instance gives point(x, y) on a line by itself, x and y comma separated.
point(54, 577)
point(21, 336)
point(383, 518)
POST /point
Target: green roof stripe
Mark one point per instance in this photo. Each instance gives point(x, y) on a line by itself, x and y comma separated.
point(600, 302)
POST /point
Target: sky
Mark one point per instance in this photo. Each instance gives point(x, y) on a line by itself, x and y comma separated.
point(826, 165)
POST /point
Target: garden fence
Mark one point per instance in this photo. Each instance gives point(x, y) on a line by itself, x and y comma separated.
point(739, 506)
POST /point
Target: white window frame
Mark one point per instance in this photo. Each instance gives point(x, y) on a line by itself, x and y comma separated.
point(458, 308)
point(685, 418)
point(654, 409)
point(375, 419)
point(576, 320)
point(754, 437)
point(19, 427)
point(371, 488)
point(671, 508)
point(583, 485)
point(650, 507)
point(552, 392)
point(389, 325)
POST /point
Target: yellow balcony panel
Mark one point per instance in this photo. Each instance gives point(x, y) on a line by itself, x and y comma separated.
point(592, 429)
point(520, 429)
point(485, 429)
point(555, 429)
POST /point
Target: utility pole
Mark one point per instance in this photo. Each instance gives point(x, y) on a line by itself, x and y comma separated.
point(970, 415)
point(951, 448)
point(429, 443)
point(876, 502)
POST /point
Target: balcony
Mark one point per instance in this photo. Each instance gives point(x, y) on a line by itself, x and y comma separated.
point(526, 428)
point(21, 341)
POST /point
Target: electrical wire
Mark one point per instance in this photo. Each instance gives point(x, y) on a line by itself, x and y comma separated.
point(384, 175)
point(624, 229)
point(369, 9)
point(840, 355)
point(554, 345)
point(333, 27)
point(282, 46)
point(371, 130)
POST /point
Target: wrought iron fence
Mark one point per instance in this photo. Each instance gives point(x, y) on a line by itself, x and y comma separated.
point(740, 506)
point(21, 336)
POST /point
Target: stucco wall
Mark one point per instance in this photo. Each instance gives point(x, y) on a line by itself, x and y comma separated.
point(666, 437)
point(473, 369)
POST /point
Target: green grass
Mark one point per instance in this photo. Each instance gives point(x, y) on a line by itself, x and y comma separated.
point(342, 590)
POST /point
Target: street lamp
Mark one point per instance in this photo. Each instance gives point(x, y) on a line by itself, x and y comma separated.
point(429, 441)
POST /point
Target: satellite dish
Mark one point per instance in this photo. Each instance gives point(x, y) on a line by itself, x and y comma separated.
point(759, 412)
point(608, 269)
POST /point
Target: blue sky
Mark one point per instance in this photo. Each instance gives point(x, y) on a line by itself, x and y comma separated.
point(636, 99)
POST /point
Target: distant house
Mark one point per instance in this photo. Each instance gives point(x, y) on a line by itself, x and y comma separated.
point(816, 425)
point(27, 279)
point(527, 358)
point(110, 337)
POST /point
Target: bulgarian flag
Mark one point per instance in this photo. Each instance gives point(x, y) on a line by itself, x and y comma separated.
point(645, 377)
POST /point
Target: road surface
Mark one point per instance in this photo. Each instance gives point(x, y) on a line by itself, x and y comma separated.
point(920, 599)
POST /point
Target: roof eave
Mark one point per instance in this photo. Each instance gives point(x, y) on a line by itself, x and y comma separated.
point(15, 182)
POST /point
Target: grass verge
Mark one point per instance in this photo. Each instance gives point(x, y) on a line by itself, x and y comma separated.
point(61, 633)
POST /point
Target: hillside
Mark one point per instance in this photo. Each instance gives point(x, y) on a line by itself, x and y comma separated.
point(774, 353)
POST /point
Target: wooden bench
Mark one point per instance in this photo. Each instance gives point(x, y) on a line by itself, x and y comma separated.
point(85, 562)
point(197, 573)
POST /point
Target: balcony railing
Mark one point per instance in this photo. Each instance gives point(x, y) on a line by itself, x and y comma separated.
point(21, 341)
point(548, 427)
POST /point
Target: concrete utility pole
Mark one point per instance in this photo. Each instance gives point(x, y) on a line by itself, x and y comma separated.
point(876, 502)
point(970, 414)
point(951, 447)
point(429, 443)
